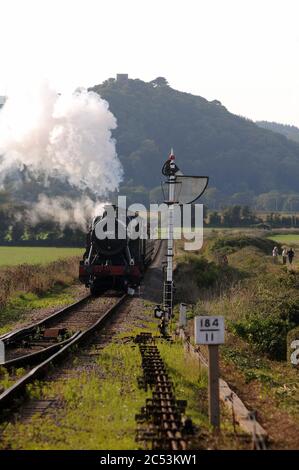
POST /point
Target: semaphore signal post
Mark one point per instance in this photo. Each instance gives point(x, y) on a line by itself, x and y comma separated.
point(169, 169)
point(180, 190)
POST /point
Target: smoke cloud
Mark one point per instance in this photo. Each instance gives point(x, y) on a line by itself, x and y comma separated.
point(62, 136)
point(64, 211)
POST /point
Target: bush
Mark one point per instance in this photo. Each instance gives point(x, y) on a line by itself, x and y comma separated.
point(204, 273)
point(267, 333)
point(292, 335)
point(270, 314)
point(231, 244)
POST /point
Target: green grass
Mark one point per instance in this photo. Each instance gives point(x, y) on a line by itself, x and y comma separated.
point(98, 410)
point(260, 308)
point(288, 239)
point(97, 405)
point(24, 302)
point(6, 379)
point(279, 380)
point(14, 255)
point(190, 381)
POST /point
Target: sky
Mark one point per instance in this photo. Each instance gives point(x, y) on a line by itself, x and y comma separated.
point(244, 53)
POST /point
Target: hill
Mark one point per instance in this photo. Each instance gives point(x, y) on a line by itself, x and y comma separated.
point(291, 132)
point(242, 159)
point(247, 164)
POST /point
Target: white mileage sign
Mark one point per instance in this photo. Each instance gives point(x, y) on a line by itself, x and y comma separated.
point(209, 330)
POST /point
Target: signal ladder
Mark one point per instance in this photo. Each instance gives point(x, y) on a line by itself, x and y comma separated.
point(168, 298)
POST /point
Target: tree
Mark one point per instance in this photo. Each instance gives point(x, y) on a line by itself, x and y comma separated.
point(244, 197)
point(215, 219)
point(159, 82)
point(232, 216)
point(247, 216)
point(242, 159)
point(212, 197)
point(272, 201)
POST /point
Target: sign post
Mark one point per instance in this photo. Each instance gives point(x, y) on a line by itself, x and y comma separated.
point(210, 331)
point(182, 317)
point(214, 408)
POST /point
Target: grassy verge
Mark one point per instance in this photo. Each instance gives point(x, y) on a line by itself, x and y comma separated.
point(260, 302)
point(22, 303)
point(6, 379)
point(190, 383)
point(259, 299)
point(98, 410)
point(95, 412)
point(277, 380)
point(22, 285)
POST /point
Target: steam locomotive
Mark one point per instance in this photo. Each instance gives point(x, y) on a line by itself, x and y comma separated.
point(114, 257)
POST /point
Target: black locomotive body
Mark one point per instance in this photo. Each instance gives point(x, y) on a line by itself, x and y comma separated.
point(113, 258)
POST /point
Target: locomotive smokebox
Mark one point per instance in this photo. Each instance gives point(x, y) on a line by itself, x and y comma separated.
point(116, 252)
point(110, 235)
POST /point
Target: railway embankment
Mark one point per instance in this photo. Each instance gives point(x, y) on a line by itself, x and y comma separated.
point(235, 276)
point(29, 292)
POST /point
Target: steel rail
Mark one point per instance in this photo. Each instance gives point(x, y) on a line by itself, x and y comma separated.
point(57, 350)
point(27, 330)
point(41, 369)
point(31, 358)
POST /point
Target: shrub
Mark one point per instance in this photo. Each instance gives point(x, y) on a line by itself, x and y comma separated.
point(204, 273)
point(267, 333)
point(271, 313)
point(231, 244)
point(292, 335)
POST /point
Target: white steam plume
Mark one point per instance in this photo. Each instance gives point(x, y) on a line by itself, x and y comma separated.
point(64, 211)
point(62, 136)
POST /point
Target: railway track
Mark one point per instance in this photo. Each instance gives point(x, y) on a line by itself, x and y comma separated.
point(32, 342)
point(37, 347)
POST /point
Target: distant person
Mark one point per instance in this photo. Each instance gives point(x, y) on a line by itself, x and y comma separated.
point(284, 255)
point(224, 260)
point(291, 254)
point(275, 254)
